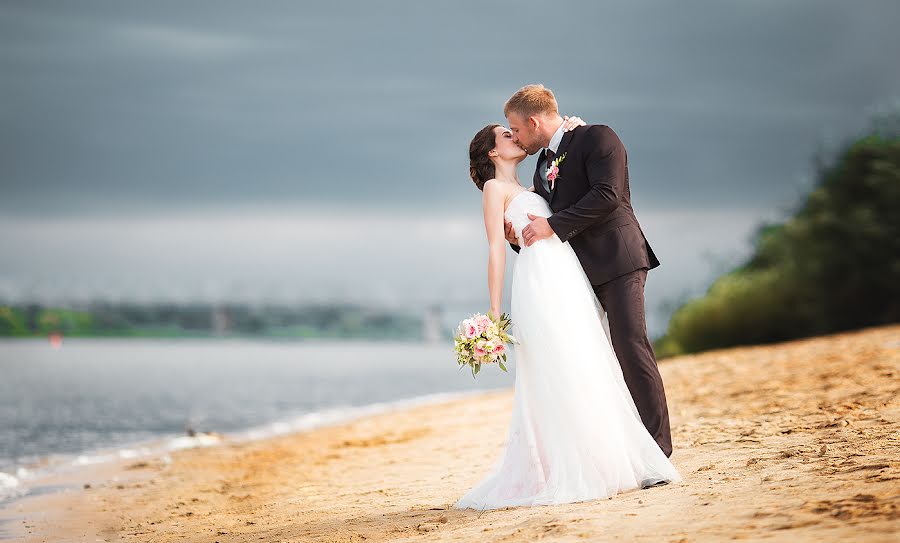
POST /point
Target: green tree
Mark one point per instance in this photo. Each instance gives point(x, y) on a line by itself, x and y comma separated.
point(833, 266)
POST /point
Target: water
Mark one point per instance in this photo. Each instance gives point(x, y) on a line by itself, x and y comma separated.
point(96, 399)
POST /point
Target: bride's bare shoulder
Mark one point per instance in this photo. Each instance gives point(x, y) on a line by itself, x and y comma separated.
point(495, 187)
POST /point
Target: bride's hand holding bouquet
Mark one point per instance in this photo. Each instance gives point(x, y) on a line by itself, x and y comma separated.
point(481, 339)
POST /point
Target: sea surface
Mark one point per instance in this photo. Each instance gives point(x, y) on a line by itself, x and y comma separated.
point(94, 400)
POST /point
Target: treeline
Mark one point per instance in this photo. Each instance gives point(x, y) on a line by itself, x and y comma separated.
point(207, 320)
point(833, 266)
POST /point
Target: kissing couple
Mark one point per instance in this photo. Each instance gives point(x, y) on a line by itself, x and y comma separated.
point(589, 416)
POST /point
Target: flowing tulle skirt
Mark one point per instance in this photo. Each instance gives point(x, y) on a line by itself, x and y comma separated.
point(575, 433)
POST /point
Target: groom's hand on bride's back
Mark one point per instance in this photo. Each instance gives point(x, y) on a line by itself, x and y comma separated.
point(510, 234)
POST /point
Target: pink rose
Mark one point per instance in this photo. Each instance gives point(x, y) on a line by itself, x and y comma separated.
point(482, 322)
point(551, 175)
point(499, 349)
point(479, 352)
point(470, 329)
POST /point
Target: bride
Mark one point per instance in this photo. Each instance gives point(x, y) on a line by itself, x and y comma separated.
point(575, 433)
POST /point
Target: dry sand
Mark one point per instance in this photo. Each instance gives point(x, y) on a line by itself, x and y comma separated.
point(798, 441)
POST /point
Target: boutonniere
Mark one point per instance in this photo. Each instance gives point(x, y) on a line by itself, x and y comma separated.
point(553, 170)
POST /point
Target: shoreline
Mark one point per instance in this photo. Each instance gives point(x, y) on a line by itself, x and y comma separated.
point(55, 466)
point(786, 442)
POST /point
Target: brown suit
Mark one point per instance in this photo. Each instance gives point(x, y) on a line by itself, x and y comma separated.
point(591, 204)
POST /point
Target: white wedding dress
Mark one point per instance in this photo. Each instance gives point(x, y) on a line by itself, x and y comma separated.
point(575, 433)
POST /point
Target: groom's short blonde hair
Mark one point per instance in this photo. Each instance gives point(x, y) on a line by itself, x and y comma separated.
point(531, 100)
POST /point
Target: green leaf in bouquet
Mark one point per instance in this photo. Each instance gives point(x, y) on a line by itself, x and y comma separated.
point(502, 367)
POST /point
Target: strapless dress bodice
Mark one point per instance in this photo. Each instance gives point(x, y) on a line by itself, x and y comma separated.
point(520, 206)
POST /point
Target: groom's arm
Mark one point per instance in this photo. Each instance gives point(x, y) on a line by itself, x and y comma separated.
point(605, 165)
point(510, 235)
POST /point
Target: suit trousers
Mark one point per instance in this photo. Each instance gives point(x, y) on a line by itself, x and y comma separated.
point(623, 300)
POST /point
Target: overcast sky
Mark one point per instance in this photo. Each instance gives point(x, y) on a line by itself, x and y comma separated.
point(319, 151)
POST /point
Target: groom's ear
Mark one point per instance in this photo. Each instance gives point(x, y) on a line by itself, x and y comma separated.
point(534, 121)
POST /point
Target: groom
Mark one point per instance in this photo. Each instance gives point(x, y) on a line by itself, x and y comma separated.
point(590, 197)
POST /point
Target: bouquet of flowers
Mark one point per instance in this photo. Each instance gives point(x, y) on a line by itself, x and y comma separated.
point(480, 340)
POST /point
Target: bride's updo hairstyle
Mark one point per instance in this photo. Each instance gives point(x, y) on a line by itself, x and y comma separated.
point(480, 166)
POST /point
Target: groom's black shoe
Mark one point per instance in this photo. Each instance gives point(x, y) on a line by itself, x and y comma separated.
point(650, 483)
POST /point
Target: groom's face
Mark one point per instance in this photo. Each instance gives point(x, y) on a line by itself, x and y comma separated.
point(524, 132)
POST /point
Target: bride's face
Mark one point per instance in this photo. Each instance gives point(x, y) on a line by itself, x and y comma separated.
point(505, 148)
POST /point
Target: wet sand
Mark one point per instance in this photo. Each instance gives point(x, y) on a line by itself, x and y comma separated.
point(798, 441)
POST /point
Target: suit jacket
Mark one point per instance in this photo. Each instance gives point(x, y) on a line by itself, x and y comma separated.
point(591, 204)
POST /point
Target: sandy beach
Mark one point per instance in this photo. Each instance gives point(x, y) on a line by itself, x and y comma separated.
point(798, 441)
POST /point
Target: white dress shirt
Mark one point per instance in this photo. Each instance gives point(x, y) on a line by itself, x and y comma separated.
point(556, 139)
point(553, 146)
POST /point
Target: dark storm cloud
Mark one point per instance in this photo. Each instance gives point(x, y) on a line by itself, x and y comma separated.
point(114, 107)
